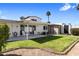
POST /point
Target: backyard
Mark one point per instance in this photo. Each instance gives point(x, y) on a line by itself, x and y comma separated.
point(57, 43)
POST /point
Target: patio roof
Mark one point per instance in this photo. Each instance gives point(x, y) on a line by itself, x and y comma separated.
point(30, 22)
point(34, 22)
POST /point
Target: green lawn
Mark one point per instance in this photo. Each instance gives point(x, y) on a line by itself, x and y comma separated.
point(57, 43)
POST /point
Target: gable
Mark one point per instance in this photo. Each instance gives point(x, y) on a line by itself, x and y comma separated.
point(33, 18)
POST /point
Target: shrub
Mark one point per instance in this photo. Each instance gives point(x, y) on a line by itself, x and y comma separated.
point(4, 35)
point(75, 31)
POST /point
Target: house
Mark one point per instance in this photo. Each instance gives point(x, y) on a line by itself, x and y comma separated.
point(30, 25)
point(60, 28)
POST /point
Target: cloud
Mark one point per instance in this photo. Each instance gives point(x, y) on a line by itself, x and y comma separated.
point(67, 7)
point(3, 17)
point(0, 12)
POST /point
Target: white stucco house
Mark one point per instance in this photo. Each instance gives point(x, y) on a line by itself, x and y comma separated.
point(32, 25)
point(27, 26)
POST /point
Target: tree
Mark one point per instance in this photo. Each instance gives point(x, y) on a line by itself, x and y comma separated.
point(4, 35)
point(48, 14)
point(22, 18)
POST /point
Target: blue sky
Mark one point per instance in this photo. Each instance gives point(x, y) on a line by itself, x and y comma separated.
point(60, 12)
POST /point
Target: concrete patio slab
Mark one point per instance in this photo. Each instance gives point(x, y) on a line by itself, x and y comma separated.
point(25, 38)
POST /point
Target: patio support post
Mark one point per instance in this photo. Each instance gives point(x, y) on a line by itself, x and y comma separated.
point(27, 32)
point(62, 28)
point(69, 29)
point(47, 31)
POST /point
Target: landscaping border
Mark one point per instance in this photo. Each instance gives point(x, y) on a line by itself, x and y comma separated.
point(64, 52)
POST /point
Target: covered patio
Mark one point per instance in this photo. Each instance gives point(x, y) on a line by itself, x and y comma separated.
point(27, 35)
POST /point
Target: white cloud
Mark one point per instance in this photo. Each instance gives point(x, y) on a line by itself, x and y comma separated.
point(3, 17)
point(0, 12)
point(65, 7)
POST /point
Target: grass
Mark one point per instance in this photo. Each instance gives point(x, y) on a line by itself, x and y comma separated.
point(57, 43)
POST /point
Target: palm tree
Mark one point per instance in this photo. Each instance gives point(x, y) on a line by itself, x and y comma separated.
point(48, 14)
point(22, 17)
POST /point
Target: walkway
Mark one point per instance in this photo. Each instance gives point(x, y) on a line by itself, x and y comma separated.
point(74, 51)
point(39, 52)
point(29, 52)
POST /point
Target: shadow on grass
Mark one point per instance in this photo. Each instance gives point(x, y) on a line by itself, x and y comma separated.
point(46, 39)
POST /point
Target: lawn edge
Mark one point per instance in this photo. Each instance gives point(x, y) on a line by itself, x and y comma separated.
point(19, 48)
point(66, 50)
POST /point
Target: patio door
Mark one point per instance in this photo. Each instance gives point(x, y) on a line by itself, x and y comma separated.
point(66, 29)
point(33, 29)
point(21, 29)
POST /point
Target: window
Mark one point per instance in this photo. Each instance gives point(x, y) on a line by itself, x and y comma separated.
point(34, 19)
point(34, 27)
point(44, 27)
point(22, 27)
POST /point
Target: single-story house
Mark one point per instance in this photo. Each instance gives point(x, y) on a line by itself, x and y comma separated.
point(28, 25)
point(32, 25)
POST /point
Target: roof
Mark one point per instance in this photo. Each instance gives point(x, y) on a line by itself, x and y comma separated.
point(34, 22)
point(32, 16)
point(25, 22)
point(7, 20)
point(55, 24)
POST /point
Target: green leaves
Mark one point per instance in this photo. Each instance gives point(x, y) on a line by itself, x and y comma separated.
point(48, 13)
point(4, 35)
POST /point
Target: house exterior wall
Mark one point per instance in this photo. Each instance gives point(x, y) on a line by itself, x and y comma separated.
point(55, 29)
point(40, 30)
point(14, 27)
point(66, 27)
point(60, 29)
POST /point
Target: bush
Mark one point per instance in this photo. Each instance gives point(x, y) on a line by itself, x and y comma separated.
point(75, 31)
point(4, 35)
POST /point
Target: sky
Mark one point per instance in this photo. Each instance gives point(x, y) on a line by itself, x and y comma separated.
point(60, 12)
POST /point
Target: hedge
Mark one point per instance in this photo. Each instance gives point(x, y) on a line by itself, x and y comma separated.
point(75, 31)
point(4, 35)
